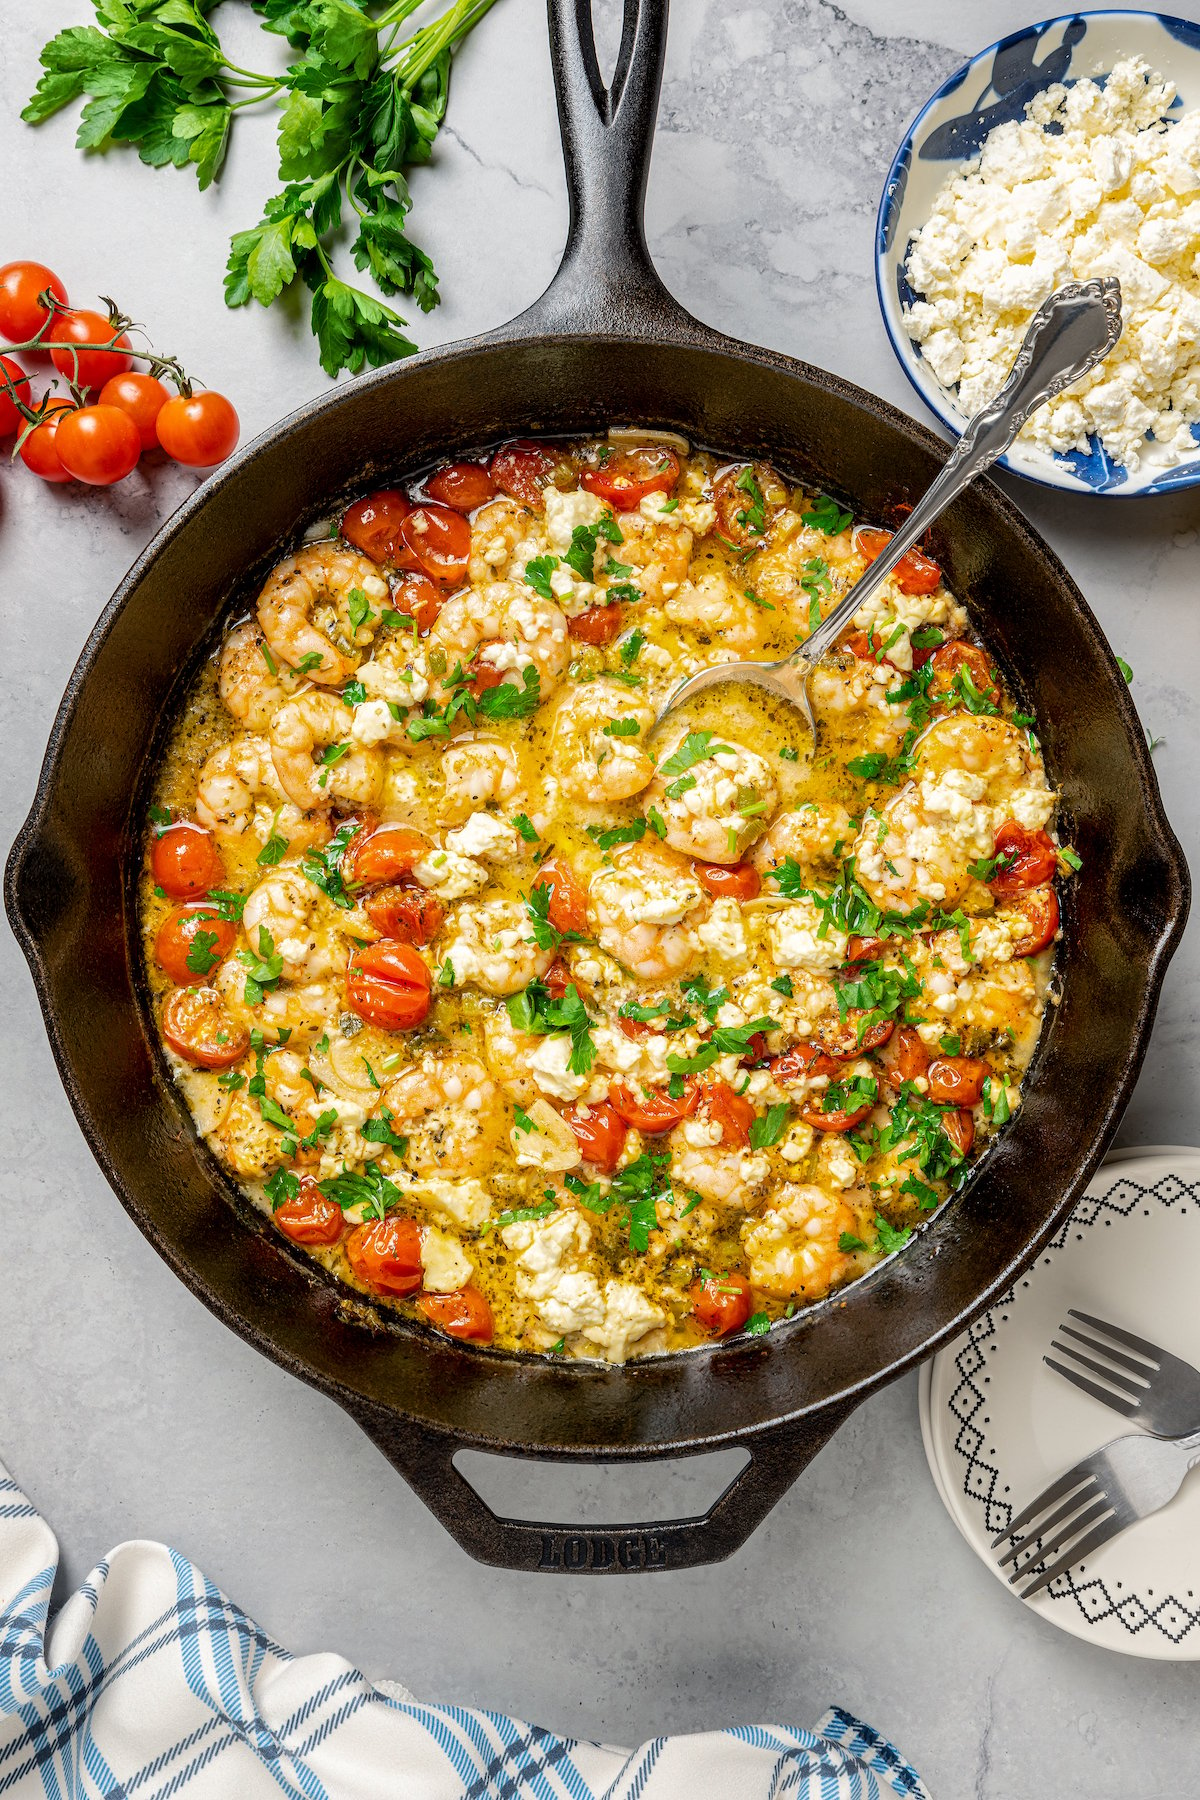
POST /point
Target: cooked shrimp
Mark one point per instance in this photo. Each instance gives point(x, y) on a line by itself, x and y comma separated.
point(316, 760)
point(491, 944)
point(643, 904)
point(244, 1141)
point(504, 627)
point(657, 550)
point(249, 680)
point(305, 926)
point(792, 1247)
point(711, 607)
point(815, 837)
point(991, 749)
point(597, 742)
point(479, 770)
point(716, 808)
point(732, 1177)
point(800, 564)
point(851, 696)
point(452, 1114)
point(502, 533)
point(238, 792)
point(305, 612)
point(301, 1010)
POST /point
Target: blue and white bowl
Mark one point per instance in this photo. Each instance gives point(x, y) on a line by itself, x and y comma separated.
point(994, 87)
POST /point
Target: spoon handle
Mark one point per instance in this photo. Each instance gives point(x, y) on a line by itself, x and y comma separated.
point(1068, 335)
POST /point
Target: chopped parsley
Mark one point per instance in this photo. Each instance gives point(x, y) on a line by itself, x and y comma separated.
point(274, 850)
point(696, 746)
point(526, 827)
point(262, 971)
point(537, 574)
point(370, 1189)
point(519, 1215)
point(379, 1130)
point(633, 833)
point(825, 515)
point(202, 953)
point(534, 1011)
point(621, 728)
point(630, 648)
point(753, 517)
point(768, 1129)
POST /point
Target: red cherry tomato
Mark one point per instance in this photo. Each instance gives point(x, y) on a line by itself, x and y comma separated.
point(462, 485)
point(21, 317)
point(948, 659)
point(913, 574)
point(385, 1254)
point(959, 1127)
point(464, 1314)
point(94, 366)
point(864, 949)
point(198, 1025)
point(805, 1061)
point(841, 1036)
point(957, 1080)
point(98, 445)
point(184, 861)
point(625, 478)
point(910, 1058)
point(599, 1131)
point(739, 881)
point(415, 597)
point(388, 985)
point(1030, 860)
point(557, 979)
point(39, 452)
point(596, 624)
point(1039, 907)
point(836, 1119)
point(141, 398)
point(721, 1303)
point(11, 418)
point(373, 524)
point(411, 915)
point(387, 854)
point(652, 1112)
point(310, 1218)
point(756, 1056)
point(567, 908)
point(439, 540)
point(522, 469)
point(729, 1110)
point(198, 430)
point(737, 519)
point(177, 941)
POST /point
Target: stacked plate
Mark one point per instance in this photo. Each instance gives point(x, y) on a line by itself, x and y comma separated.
point(998, 1425)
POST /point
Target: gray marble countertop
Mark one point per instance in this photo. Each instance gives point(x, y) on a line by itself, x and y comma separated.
point(127, 1410)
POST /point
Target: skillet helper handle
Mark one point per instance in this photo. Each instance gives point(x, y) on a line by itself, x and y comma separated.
point(425, 1458)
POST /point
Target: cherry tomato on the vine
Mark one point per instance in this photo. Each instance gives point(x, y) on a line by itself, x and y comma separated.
point(39, 452)
point(184, 861)
point(98, 445)
point(198, 430)
point(12, 372)
point(141, 398)
point(21, 318)
point(87, 368)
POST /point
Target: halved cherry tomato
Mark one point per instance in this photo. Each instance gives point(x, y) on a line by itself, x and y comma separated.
point(740, 881)
point(864, 949)
point(756, 1055)
point(310, 1218)
point(385, 854)
point(388, 985)
point(567, 906)
point(464, 1314)
point(198, 1025)
point(141, 398)
point(959, 1127)
point(415, 597)
point(836, 1119)
point(11, 371)
point(803, 1062)
point(439, 540)
point(557, 979)
point(596, 624)
point(411, 915)
point(98, 445)
point(21, 317)
point(735, 505)
point(79, 326)
point(957, 1080)
point(625, 478)
point(198, 430)
point(462, 485)
point(373, 524)
point(522, 469)
point(721, 1303)
point(913, 574)
point(841, 1036)
point(39, 452)
point(184, 860)
point(1030, 859)
point(599, 1131)
point(1039, 907)
point(652, 1112)
point(910, 1058)
point(948, 659)
point(386, 1254)
point(177, 941)
point(484, 675)
point(730, 1110)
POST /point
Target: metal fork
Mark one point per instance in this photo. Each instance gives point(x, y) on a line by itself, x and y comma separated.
point(1125, 1481)
point(1158, 1390)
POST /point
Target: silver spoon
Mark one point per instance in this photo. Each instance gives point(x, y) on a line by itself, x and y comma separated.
point(1068, 335)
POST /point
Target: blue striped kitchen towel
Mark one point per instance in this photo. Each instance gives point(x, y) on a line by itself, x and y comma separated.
point(150, 1683)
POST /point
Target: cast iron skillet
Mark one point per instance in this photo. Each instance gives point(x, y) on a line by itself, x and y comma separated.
point(605, 344)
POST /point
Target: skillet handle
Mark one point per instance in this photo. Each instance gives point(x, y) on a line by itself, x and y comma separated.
point(606, 282)
point(425, 1458)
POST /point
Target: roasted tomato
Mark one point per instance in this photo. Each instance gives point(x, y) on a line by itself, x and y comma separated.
point(596, 625)
point(959, 1127)
point(738, 881)
point(747, 497)
point(864, 949)
point(729, 1110)
point(416, 597)
point(803, 1062)
point(557, 979)
point(199, 1027)
point(388, 985)
point(310, 1218)
point(191, 941)
point(909, 1059)
point(913, 574)
point(373, 524)
point(625, 478)
point(462, 485)
point(837, 1118)
point(948, 659)
point(463, 1314)
point(567, 907)
point(957, 1080)
point(1039, 908)
point(411, 915)
point(386, 1255)
point(385, 854)
point(1030, 859)
point(654, 1111)
point(867, 648)
point(600, 1132)
point(184, 861)
point(841, 1036)
point(439, 541)
point(522, 469)
point(721, 1303)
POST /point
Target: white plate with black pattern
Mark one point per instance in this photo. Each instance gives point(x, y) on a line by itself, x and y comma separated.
point(998, 1425)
